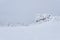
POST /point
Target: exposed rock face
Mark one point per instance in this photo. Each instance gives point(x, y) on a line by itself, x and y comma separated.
point(43, 18)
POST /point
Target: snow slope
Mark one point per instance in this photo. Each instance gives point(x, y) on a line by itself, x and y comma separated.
point(45, 31)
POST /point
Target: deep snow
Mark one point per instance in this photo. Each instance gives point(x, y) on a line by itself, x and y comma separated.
point(44, 31)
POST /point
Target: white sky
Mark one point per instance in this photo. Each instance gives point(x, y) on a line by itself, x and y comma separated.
point(23, 10)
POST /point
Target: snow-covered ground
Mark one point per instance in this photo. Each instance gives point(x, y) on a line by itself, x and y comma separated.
point(44, 31)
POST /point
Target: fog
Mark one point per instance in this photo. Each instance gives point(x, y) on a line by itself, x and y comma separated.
point(24, 10)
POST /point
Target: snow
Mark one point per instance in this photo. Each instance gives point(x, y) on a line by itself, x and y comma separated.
point(17, 20)
point(44, 31)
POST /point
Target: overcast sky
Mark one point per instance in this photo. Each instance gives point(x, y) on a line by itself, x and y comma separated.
point(23, 10)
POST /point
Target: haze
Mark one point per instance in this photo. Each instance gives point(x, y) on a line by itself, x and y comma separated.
point(24, 10)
